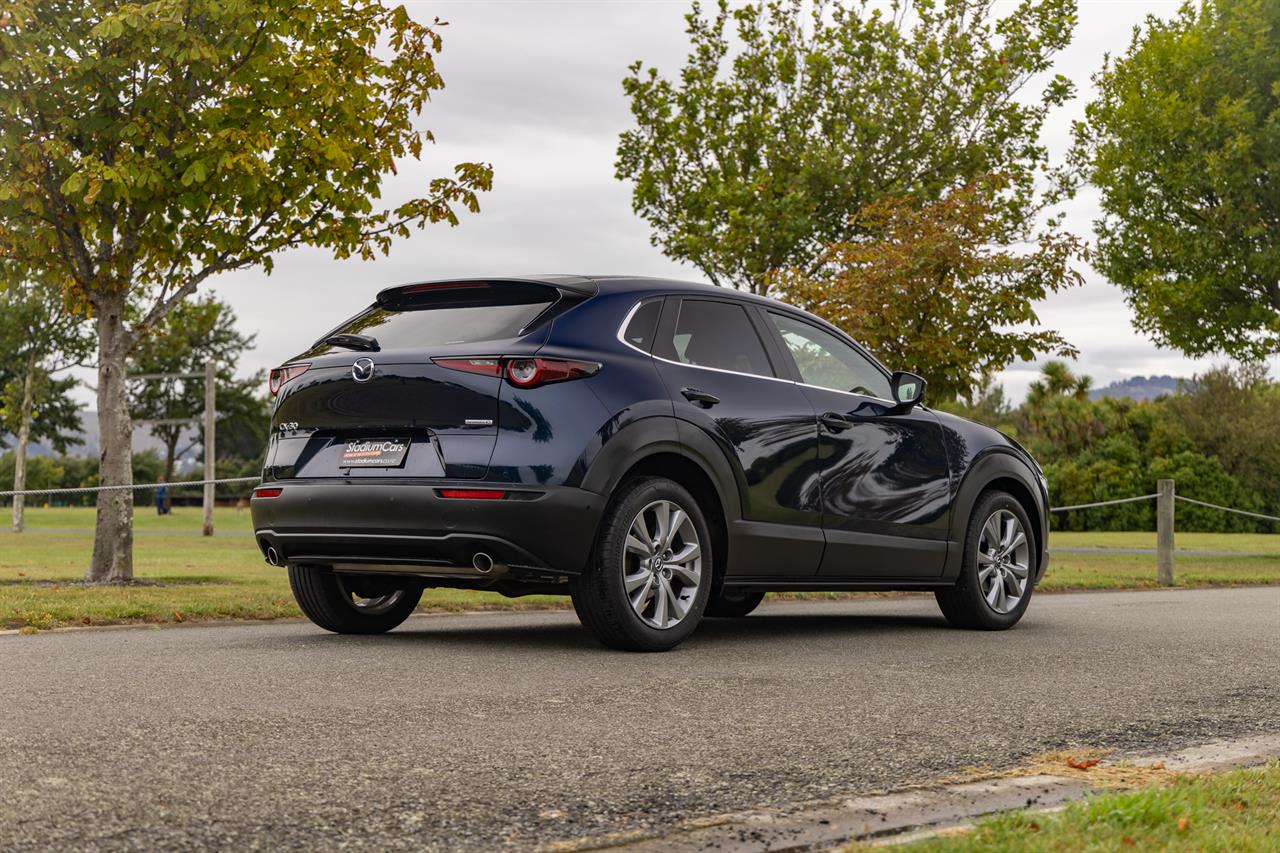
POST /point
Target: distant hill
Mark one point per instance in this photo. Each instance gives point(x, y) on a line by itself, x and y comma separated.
point(88, 443)
point(1139, 388)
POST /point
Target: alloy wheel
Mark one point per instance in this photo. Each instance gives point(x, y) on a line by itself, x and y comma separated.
point(1004, 561)
point(662, 564)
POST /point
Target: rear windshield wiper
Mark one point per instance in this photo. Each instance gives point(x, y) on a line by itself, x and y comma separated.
point(360, 342)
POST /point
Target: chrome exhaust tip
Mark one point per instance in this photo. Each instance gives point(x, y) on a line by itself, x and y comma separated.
point(482, 562)
point(273, 556)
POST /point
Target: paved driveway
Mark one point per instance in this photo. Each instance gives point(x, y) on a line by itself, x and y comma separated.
point(474, 731)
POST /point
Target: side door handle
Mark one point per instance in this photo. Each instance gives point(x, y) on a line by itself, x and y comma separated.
point(702, 398)
point(835, 422)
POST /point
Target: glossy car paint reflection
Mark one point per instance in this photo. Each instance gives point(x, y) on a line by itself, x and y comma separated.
point(884, 500)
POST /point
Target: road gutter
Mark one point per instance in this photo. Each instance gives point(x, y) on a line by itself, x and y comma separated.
point(907, 815)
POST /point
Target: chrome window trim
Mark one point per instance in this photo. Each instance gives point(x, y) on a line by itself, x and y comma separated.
point(626, 321)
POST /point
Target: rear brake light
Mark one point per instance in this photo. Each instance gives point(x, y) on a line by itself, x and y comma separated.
point(473, 494)
point(282, 375)
point(530, 372)
point(446, 285)
point(484, 366)
point(268, 492)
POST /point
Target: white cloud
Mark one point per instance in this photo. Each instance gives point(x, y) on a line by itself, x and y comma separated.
point(534, 88)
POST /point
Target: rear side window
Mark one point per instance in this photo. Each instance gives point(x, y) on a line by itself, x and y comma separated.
point(644, 323)
point(457, 315)
point(716, 334)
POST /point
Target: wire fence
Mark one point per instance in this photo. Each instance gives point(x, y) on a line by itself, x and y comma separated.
point(183, 484)
point(176, 484)
point(1152, 497)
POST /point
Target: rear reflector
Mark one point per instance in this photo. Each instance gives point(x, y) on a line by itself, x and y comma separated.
point(472, 494)
point(267, 492)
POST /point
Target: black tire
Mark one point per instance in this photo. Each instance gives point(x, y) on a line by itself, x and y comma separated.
point(599, 595)
point(327, 599)
point(964, 604)
point(734, 603)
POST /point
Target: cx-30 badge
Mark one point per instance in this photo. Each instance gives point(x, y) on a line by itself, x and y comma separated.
point(362, 370)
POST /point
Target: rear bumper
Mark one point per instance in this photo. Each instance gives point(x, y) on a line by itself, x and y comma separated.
point(407, 522)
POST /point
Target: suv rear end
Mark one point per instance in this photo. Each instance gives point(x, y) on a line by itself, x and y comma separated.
point(385, 457)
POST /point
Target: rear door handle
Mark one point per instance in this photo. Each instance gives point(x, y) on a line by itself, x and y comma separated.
point(835, 422)
point(702, 398)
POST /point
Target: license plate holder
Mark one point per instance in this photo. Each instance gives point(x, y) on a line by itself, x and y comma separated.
point(374, 453)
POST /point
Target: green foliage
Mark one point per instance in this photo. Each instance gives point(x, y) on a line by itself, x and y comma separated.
point(41, 336)
point(1215, 439)
point(72, 472)
point(789, 117)
point(928, 288)
point(145, 147)
point(1184, 143)
point(194, 333)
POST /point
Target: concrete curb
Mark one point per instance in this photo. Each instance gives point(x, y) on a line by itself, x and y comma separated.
point(904, 815)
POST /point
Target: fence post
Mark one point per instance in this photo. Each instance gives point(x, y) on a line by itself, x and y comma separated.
point(1164, 532)
point(210, 390)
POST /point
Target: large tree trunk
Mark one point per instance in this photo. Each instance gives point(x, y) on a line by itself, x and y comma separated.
point(24, 437)
point(113, 536)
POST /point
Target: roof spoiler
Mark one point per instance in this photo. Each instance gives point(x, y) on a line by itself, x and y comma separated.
point(454, 288)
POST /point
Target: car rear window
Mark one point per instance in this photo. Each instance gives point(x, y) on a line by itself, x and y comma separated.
point(716, 334)
point(447, 316)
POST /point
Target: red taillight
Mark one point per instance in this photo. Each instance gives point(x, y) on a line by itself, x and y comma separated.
point(472, 494)
point(282, 375)
point(268, 492)
point(484, 366)
point(523, 372)
point(531, 372)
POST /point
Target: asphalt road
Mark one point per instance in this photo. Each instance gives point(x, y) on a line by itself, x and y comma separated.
point(472, 732)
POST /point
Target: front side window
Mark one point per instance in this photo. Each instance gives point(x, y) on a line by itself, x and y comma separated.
point(716, 334)
point(828, 362)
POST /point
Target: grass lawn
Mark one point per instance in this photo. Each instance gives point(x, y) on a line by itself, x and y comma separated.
point(190, 577)
point(1261, 543)
point(1237, 811)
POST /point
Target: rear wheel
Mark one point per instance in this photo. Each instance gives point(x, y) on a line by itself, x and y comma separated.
point(994, 587)
point(734, 603)
point(347, 603)
point(650, 576)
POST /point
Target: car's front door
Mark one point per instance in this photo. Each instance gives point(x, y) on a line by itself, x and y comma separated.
point(713, 357)
point(885, 481)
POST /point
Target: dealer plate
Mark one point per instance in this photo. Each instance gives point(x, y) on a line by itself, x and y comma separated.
point(374, 453)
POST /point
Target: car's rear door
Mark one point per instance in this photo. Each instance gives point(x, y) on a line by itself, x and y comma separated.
point(713, 357)
point(885, 481)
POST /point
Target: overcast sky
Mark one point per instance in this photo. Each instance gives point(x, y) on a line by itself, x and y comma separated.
point(533, 86)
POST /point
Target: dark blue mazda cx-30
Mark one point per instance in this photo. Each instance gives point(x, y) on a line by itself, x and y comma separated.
point(658, 450)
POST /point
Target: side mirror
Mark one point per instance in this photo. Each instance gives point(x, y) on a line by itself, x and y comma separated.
point(908, 389)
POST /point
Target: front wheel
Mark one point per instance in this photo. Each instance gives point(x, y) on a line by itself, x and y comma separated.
point(994, 587)
point(348, 603)
point(647, 586)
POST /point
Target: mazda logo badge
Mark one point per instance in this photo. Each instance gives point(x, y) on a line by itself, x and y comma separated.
point(362, 370)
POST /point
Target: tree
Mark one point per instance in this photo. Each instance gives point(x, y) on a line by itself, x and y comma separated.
point(145, 148)
point(41, 337)
point(757, 156)
point(194, 333)
point(927, 288)
point(1184, 143)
